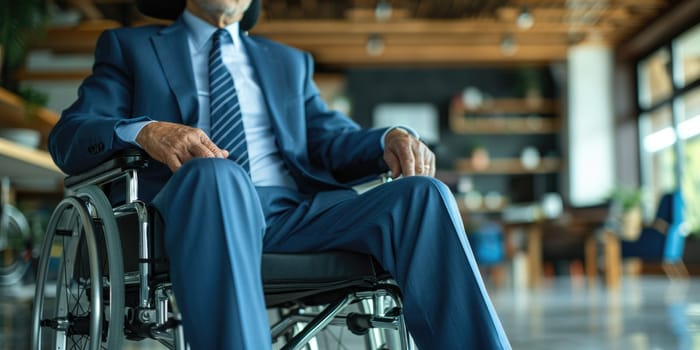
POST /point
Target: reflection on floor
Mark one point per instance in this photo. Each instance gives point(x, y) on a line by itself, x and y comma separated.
point(648, 313)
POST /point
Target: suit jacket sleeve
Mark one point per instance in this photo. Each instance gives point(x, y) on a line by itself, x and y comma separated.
point(335, 142)
point(85, 134)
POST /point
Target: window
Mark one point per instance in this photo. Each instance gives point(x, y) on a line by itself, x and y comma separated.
point(654, 78)
point(658, 138)
point(687, 54)
point(669, 121)
point(689, 134)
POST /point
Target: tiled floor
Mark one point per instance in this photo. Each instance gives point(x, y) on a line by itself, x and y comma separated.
point(649, 313)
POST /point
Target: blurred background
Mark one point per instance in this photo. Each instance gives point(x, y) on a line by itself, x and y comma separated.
point(568, 130)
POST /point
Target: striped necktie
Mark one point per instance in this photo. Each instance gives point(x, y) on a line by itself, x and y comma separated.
point(225, 112)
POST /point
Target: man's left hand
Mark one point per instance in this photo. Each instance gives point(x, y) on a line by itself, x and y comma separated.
point(406, 155)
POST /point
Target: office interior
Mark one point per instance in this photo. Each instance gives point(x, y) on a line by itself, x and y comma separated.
point(567, 130)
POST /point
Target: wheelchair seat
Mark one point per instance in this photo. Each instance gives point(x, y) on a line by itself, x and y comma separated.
point(317, 277)
point(114, 253)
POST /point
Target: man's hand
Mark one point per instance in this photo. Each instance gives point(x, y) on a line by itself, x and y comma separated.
point(174, 144)
point(406, 155)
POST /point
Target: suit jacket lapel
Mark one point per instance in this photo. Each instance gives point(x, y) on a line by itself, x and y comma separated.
point(272, 79)
point(173, 54)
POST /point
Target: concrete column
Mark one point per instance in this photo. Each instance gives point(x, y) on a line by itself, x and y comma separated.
point(590, 120)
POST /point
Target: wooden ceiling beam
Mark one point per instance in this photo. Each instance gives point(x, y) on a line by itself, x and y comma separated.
point(271, 27)
point(437, 54)
point(574, 3)
point(421, 39)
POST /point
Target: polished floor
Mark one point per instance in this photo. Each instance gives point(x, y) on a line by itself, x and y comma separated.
point(645, 313)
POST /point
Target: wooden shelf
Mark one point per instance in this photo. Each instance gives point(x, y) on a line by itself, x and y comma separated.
point(504, 125)
point(509, 166)
point(29, 168)
point(506, 106)
point(14, 114)
point(24, 75)
point(80, 38)
point(505, 116)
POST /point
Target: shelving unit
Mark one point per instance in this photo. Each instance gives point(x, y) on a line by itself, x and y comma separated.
point(497, 122)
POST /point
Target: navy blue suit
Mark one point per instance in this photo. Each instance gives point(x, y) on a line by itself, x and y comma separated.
point(218, 223)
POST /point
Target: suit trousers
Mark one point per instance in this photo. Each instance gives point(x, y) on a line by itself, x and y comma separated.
point(217, 225)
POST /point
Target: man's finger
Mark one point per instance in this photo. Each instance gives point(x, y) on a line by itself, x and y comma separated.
point(393, 163)
point(408, 161)
point(421, 165)
point(199, 150)
point(213, 148)
point(173, 162)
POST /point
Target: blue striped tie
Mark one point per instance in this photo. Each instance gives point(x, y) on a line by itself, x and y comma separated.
point(225, 112)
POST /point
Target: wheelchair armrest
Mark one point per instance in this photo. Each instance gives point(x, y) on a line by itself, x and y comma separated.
point(128, 159)
point(371, 182)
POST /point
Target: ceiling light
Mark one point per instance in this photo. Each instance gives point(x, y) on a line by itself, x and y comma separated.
point(383, 10)
point(375, 45)
point(525, 19)
point(508, 45)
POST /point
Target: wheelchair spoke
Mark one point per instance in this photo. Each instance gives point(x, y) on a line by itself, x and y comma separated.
point(75, 309)
point(79, 343)
point(338, 338)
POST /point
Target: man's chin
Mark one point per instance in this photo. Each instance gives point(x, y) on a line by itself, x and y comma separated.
point(216, 10)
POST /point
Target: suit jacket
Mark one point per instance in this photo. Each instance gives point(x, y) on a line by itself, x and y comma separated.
point(146, 73)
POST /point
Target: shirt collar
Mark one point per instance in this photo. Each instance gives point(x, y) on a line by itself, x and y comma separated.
point(201, 31)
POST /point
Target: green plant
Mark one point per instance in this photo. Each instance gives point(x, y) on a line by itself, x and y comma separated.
point(529, 80)
point(33, 99)
point(21, 21)
point(628, 197)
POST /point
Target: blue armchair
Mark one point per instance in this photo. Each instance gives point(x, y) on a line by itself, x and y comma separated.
point(664, 240)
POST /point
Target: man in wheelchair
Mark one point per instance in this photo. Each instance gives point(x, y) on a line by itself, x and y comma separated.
point(247, 158)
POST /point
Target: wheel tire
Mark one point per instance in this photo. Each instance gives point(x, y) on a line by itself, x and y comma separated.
point(84, 232)
point(13, 227)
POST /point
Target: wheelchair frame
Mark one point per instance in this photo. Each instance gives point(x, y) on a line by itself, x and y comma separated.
point(156, 315)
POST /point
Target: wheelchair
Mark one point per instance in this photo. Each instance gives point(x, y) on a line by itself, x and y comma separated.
point(102, 279)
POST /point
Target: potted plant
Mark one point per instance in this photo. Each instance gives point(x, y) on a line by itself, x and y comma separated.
point(628, 200)
point(531, 85)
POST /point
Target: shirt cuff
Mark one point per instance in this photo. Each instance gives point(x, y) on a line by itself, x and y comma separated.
point(127, 132)
point(408, 129)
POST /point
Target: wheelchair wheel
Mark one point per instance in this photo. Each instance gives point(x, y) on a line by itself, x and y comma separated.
point(80, 305)
point(14, 234)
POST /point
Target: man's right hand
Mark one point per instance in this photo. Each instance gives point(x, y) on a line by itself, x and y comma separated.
point(174, 144)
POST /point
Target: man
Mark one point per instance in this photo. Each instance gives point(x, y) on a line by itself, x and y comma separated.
point(248, 160)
